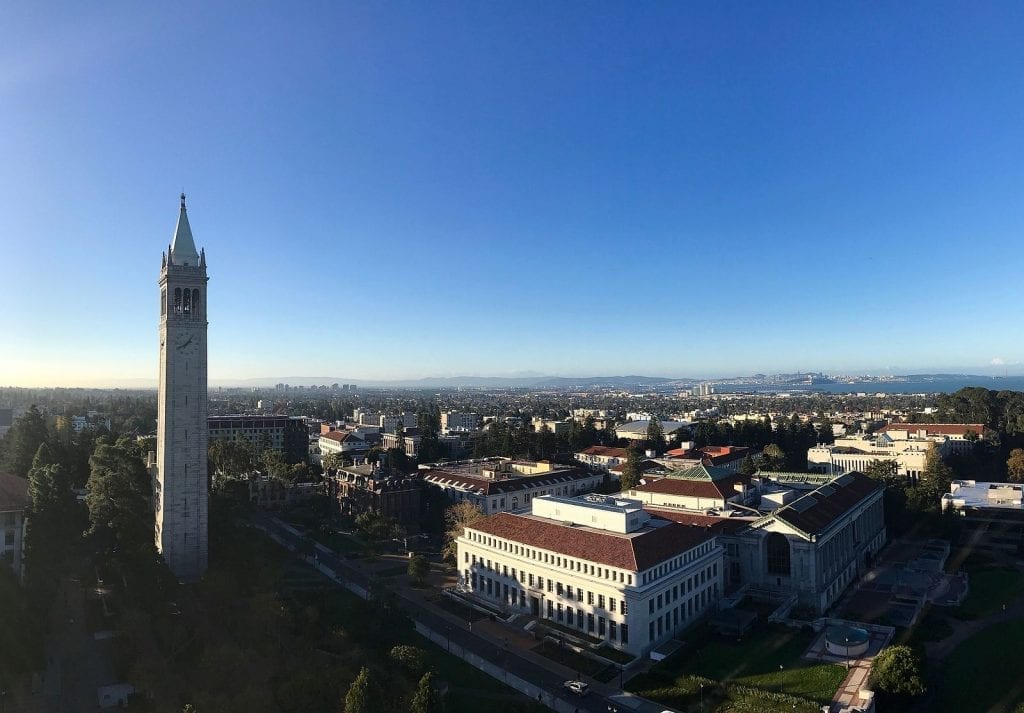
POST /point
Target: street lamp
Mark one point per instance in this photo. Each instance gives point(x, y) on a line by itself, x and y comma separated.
point(847, 653)
point(701, 686)
point(782, 680)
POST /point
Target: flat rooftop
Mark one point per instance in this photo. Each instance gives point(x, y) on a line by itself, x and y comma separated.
point(981, 494)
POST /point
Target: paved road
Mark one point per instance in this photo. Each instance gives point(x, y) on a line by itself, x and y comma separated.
point(545, 677)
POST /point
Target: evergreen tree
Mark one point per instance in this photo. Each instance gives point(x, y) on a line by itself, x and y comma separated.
point(747, 466)
point(49, 532)
point(362, 695)
point(655, 435)
point(425, 700)
point(22, 442)
point(826, 436)
point(631, 469)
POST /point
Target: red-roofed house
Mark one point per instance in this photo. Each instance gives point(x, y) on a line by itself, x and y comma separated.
point(600, 565)
point(601, 457)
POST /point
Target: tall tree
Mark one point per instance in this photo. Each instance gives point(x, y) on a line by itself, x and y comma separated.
point(27, 433)
point(747, 466)
point(457, 518)
point(1015, 465)
point(826, 435)
point(933, 484)
point(118, 498)
point(631, 468)
point(898, 670)
point(51, 518)
point(425, 700)
point(655, 435)
point(362, 694)
point(773, 455)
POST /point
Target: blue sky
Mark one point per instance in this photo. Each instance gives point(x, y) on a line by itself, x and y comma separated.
point(407, 189)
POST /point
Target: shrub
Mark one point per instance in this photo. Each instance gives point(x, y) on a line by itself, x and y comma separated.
point(898, 670)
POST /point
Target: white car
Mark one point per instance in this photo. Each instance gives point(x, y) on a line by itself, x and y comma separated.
point(578, 687)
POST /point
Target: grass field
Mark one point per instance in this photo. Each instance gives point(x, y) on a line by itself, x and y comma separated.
point(733, 669)
point(990, 589)
point(989, 671)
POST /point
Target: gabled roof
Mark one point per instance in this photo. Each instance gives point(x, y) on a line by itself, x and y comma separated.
point(340, 436)
point(13, 493)
point(488, 486)
point(183, 247)
point(815, 512)
point(720, 489)
point(724, 525)
point(634, 552)
point(700, 472)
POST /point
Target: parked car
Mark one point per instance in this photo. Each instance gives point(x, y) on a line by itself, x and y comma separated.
point(578, 687)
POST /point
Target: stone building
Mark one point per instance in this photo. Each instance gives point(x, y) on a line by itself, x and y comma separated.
point(361, 488)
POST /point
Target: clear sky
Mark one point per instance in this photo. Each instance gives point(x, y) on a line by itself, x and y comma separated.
point(406, 189)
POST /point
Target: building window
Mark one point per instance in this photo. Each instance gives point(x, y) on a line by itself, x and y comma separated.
point(778, 554)
point(624, 633)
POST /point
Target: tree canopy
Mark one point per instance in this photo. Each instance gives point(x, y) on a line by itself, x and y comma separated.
point(457, 517)
point(898, 670)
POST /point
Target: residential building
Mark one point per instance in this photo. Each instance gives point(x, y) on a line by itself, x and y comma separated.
point(602, 566)
point(342, 442)
point(556, 426)
point(287, 434)
point(14, 501)
point(388, 424)
point(361, 488)
point(504, 485)
point(180, 482)
point(601, 457)
point(637, 430)
point(459, 421)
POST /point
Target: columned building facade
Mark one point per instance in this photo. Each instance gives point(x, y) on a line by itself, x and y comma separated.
point(180, 490)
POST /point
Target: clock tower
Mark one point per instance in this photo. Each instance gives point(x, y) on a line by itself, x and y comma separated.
point(180, 491)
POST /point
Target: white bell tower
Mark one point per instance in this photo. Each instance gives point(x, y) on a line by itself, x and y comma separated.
point(180, 492)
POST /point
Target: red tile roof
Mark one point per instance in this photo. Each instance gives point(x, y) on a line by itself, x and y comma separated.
point(606, 451)
point(726, 525)
point(13, 493)
point(487, 486)
point(634, 552)
point(719, 489)
point(938, 429)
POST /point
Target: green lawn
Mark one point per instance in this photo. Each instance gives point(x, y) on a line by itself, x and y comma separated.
point(986, 672)
point(737, 666)
point(339, 542)
point(569, 658)
point(989, 590)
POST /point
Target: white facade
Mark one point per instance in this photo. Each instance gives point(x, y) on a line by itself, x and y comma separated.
point(850, 454)
point(562, 563)
point(180, 496)
point(459, 421)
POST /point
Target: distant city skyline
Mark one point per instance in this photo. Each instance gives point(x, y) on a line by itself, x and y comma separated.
point(401, 191)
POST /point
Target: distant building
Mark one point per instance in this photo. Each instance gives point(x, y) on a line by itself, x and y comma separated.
point(361, 488)
point(556, 426)
point(601, 457)
point(637, 430)
point(388, 424)
point(270, 493)
point(959, 437)
point(6, 420)
point(725, 457)
point(459, 421)
point(342, 442)
point(598, 565)
point(287, 434)
point(14, 501)
point(993, 512)
point(909, 449)
point(410, 441)
point(504, 485)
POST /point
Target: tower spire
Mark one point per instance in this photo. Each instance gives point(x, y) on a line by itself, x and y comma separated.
point(183, 247)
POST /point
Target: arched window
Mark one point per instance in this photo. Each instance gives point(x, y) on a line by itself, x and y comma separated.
point(163, 301)
point(778, 554)
point(195, 301)
point(177, 299)
point(188, 301)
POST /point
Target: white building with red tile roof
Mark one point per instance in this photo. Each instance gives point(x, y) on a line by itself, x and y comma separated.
point(599, 565)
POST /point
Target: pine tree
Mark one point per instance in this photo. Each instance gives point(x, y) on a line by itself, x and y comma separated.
point(425, 700)
point(361, 696)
